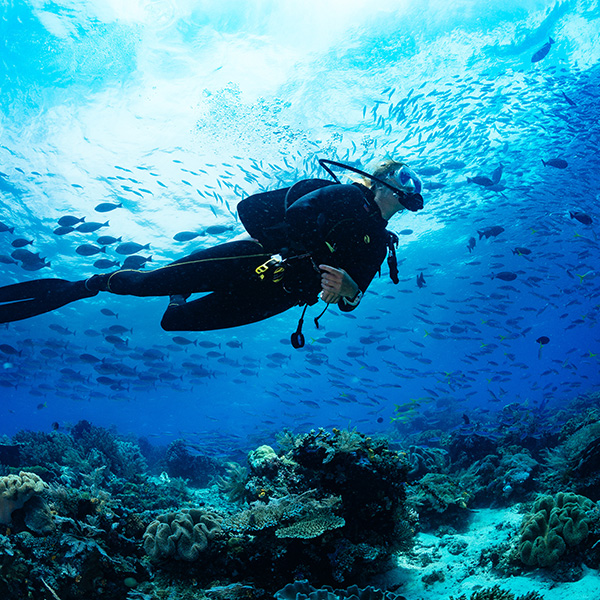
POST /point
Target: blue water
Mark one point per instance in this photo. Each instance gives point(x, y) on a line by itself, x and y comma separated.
point(177, 110)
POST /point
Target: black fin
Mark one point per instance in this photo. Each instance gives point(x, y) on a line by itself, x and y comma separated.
point(30, 298)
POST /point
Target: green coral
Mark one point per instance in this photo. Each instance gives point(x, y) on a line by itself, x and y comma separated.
point(183, 535)
point(555, 523)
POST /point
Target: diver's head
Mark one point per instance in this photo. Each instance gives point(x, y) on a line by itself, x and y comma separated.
point(395, 184)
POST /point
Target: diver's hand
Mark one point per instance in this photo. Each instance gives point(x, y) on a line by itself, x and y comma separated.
point(336, 283)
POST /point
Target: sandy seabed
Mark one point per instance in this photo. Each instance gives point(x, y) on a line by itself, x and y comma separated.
point(461, 567)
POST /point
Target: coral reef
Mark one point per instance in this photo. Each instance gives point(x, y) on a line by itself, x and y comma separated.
point(332, 507)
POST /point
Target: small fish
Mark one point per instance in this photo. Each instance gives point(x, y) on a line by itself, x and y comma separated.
point(60, 329)
point(89, 249)
point(70, 220)
point(109, 313)
point(569, 99)
point(63, 230)
point(579, 216)
point(119, 329)
point(8, 349)
point(405, 232)
point(421, 280)
point(35, 266)
point(131, 248)
point(471, 244)
point(106, 207)
point(184, 341)
point(105, 263)
point(107, 240)
point(89, 358)
point(543, 339)
point(541, 53)
point(490, 231)
point(505, 276)
point(217, 229)
point(521, 251)
point(21, 243)
point(115, 340)
point(136, 262)
point(90, 227)
point(557, 163)
point(4, 227)
point(186, 236)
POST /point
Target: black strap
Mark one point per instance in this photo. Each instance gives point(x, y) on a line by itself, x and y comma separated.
point(392, 261)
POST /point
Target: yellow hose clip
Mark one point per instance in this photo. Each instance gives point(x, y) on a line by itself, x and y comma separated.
point(274, 266)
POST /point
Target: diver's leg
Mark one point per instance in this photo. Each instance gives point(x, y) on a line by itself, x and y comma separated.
point(221, 310)
point(30, 298)
point(225, 266)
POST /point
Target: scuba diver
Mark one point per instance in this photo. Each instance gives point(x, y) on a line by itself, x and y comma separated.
point(317, 238)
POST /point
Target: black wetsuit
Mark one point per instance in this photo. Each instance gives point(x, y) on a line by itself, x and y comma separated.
point(337, 225)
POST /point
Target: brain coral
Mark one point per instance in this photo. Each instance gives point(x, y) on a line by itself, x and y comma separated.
point(181, 535)
point(555, 523)
point(15, 490)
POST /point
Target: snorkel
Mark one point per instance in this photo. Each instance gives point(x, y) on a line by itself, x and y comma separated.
point(412, 201)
